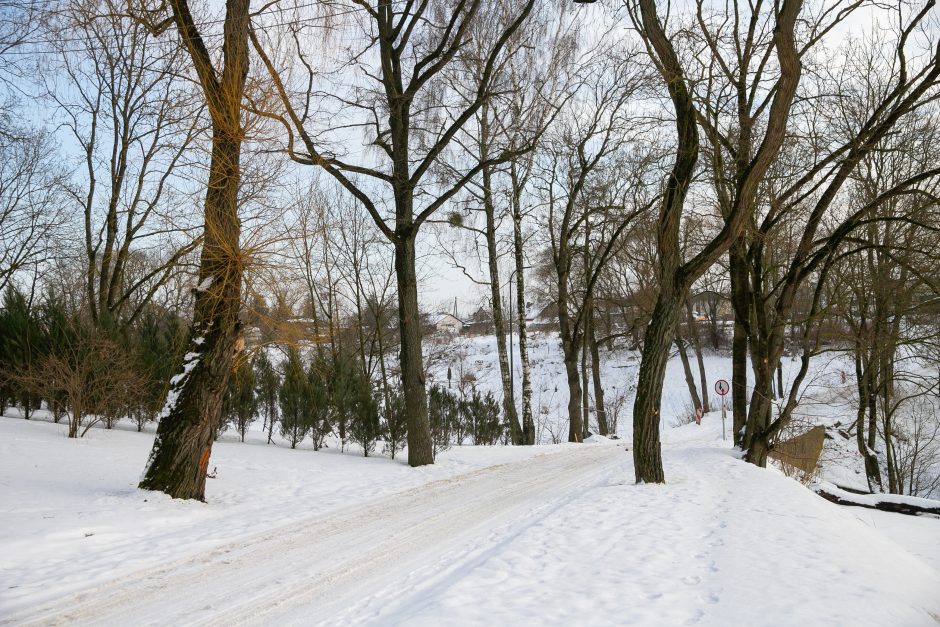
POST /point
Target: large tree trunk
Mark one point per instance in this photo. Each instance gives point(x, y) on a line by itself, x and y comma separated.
point(575, 428)
point(761, 429)
point(570, 348)
point(647, 453)
point(885, 355)
point(862, 381)
point(740, 305)
point(585, 396)
point(191, 414)
point(756, 439)
point(193, 408)
point(420, 448)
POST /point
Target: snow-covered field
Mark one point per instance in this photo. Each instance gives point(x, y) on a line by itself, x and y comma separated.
point(553, 534)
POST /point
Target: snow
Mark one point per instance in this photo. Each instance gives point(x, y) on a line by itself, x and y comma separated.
point(723, 543)
point(489, 535)
point(71, 515)
point(874, 499)
point(190, 361)
point(553, 534)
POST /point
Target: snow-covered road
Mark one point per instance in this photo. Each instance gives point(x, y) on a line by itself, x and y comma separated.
point(545, 536)
point(315, 570)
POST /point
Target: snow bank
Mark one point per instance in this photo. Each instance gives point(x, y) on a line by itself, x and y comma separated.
point(878, 500)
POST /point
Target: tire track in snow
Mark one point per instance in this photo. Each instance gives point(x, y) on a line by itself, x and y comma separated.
point(308, 572)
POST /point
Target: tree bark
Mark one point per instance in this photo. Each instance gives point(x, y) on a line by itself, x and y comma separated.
point(740, 302)
point(420, 447)
point(570, 349)
point(585, 397)
point(193, 408)
point(647, 452)
point(757, 442)
point(575, 428)
point(862, 380)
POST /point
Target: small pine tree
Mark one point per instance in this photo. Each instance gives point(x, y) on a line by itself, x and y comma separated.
point(161, 339)
point(241, 404)
point(364, 425)
point(342, 389)
point(395, 429)
point(318, 402)
point(293, 399)
point(443, 413)
point(267, 384)
point(60, 331)
point(22, 347)
point(483, 414)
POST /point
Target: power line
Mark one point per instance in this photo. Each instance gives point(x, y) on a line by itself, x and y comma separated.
point(295, 22)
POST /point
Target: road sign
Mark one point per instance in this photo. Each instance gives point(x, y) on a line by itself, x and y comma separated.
point(722, 387)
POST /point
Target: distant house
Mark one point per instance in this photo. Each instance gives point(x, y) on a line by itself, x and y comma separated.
point(481, 322)
point(446, 323)
point(542, 317)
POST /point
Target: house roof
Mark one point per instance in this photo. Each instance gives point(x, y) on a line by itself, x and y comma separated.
point(438, 318)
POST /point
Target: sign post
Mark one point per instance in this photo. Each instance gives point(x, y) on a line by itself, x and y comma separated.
point(722, 387)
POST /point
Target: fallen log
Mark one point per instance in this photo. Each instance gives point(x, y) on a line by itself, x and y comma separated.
point(910, 505)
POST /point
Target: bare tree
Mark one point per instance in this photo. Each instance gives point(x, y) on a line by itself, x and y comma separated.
point(134, 124)
point(411, 121)
point(532, 84)
point(586, 206)
point(93, 375)
point(887, 268)
point(812, 196)
point(20, 25)
point(675, 276)
point(30, 201)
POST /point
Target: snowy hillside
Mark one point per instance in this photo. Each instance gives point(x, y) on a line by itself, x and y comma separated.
point(828, 394)
point(477, 358)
